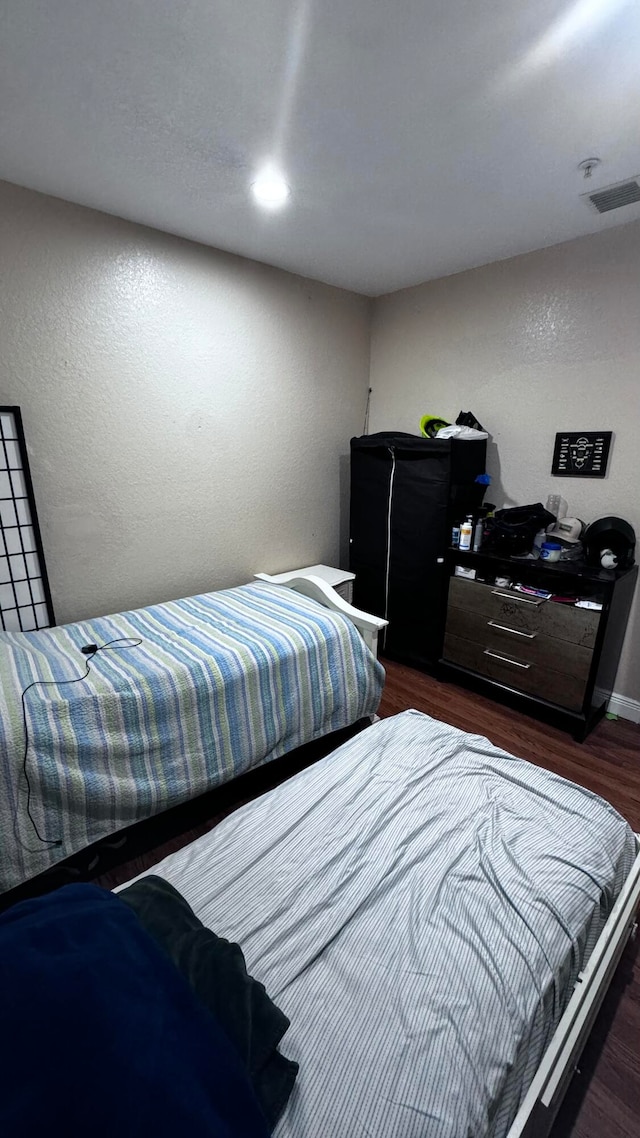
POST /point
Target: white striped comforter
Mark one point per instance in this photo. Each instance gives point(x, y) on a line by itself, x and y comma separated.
point(419, 903)
point(221, 683)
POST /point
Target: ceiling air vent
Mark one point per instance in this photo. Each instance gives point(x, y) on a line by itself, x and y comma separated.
point(613, 197)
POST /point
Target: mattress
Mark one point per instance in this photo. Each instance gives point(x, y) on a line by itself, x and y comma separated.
point(220, 683)
point(419, 903)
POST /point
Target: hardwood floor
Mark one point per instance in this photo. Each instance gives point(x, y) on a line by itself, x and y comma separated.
point(603, 1100)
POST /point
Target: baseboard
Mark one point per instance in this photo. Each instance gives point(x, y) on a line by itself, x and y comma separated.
point(623, 706)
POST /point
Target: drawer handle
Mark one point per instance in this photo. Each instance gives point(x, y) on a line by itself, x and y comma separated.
point(515, 597)
point(513, 631)
point(506, 660)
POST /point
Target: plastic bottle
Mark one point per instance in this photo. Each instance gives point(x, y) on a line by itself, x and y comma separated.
point(455, 535)
point(538, 541)
point(477, 535)
point(466, 530)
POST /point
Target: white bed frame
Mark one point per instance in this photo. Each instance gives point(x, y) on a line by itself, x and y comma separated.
point(368, 626)
point(542, 1101)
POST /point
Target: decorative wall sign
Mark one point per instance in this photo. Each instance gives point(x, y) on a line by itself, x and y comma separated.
point(25, 599)
point(581, 454)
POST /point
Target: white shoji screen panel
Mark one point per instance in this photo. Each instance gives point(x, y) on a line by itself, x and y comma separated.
point(25, 599)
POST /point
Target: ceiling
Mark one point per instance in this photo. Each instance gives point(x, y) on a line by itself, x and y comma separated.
point(419, 137)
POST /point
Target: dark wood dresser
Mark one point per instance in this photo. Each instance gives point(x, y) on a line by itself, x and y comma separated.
point(546, 657)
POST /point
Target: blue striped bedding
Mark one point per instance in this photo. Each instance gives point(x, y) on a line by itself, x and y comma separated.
point(220, 683)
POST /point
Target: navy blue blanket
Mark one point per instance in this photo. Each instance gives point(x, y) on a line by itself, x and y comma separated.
point(215, 970)
point(103, 1036)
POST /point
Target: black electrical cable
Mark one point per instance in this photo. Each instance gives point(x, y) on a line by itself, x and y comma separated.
point(89, 650)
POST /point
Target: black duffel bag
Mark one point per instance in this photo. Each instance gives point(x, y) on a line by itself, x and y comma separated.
point(511, 532)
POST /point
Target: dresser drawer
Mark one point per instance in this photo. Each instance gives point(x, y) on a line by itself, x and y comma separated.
point(517, 672)
point(525, 614)
point(530, 647)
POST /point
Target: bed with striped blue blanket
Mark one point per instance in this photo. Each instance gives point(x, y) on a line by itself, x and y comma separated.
point(220, 683)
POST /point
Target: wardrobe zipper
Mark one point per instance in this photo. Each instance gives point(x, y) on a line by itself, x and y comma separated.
point(388, 568)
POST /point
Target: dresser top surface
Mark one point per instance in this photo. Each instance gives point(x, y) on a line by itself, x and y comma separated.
point(578, 571)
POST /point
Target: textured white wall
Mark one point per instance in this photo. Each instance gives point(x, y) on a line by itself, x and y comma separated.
point(541, 343)
point(187, 412)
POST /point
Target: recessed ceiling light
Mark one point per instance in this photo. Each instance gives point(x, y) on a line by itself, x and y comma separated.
point(270, 189)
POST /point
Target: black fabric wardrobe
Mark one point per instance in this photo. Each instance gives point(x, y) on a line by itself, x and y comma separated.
point(406, 492)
